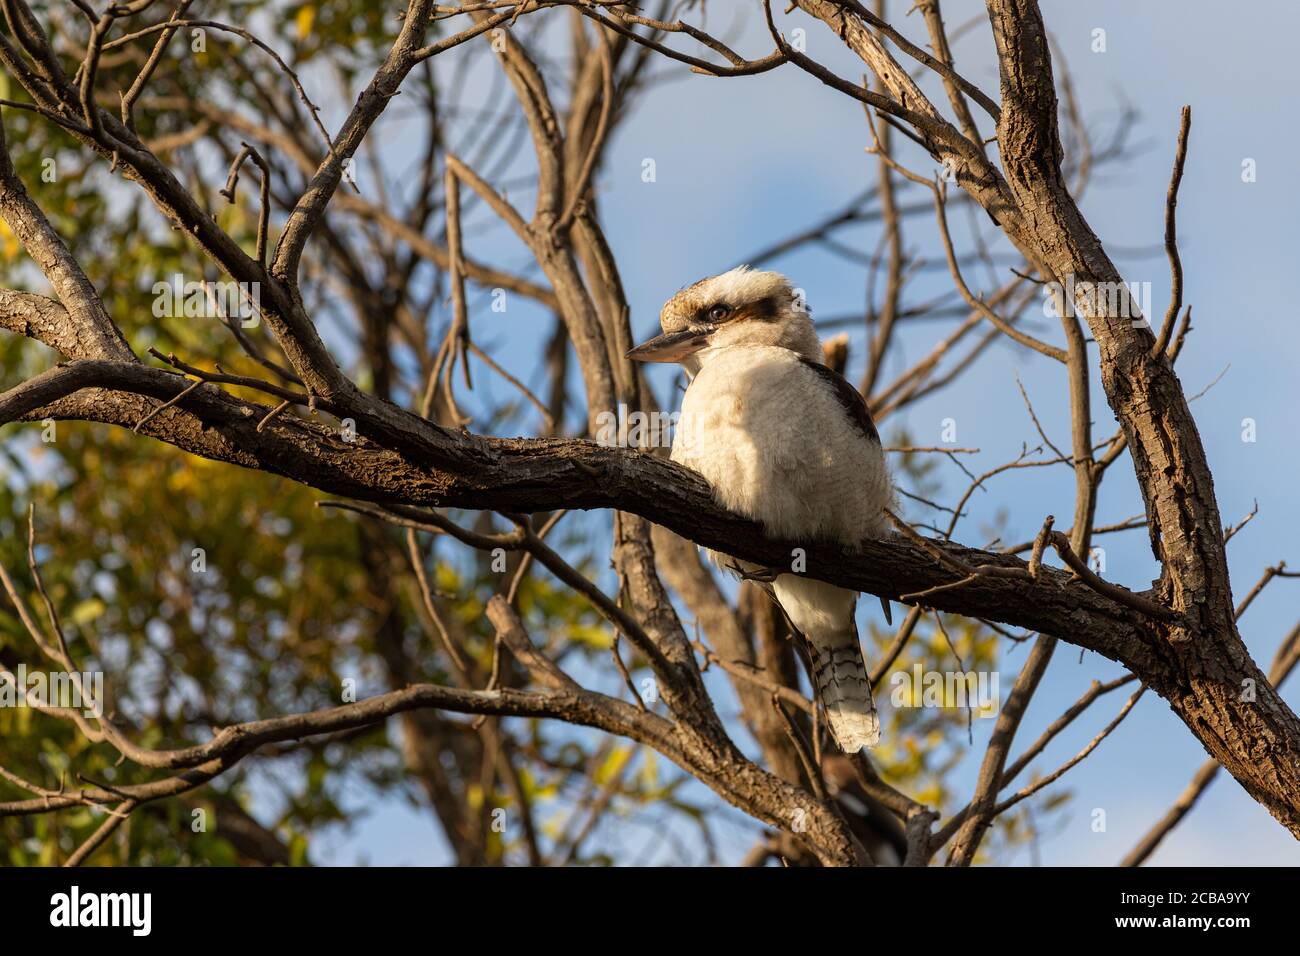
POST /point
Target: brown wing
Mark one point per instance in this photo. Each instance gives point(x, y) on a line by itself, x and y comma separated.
point(850, 398)
point(855, 405)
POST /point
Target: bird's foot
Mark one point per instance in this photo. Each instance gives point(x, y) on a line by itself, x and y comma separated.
point(758, 575)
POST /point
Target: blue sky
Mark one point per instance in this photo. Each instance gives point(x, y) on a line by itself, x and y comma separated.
point(741, 163)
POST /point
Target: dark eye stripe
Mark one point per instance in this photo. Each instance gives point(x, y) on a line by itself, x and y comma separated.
point(762, 310)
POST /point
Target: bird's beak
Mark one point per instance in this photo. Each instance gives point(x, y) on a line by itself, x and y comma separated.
point(670, 347)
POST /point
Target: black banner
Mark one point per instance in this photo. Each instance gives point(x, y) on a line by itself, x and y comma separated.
point(921, 907)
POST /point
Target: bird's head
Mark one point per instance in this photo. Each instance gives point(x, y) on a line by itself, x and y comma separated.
point(740, 308)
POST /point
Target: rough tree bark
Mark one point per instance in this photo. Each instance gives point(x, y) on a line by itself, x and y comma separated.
point(1180, 638)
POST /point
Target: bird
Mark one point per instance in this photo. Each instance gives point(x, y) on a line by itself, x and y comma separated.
point(788, 442)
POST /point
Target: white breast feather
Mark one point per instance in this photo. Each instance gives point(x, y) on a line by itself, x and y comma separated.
point(773, 440)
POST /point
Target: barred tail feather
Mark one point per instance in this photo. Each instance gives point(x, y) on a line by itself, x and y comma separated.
point(840, 675)
point(823, 614)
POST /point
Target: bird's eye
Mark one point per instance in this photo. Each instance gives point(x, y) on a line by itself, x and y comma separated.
point(719, 312)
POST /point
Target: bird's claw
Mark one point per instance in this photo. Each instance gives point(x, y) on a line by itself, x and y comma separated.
point(760, 575)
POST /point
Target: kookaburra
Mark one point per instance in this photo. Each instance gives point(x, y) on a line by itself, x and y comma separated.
point(786, 441)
